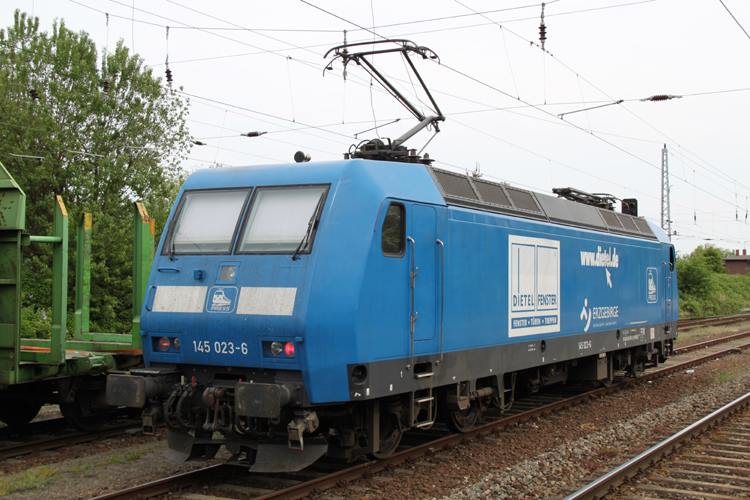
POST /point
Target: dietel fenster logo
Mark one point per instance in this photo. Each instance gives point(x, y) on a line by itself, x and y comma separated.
point(652, 284)
point(221, 299)
point(534, 286)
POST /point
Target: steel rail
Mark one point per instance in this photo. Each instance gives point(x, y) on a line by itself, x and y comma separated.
point(162, 486)
point(34, 427)
point(15, 450)
point(707, 319)
point(709, 343)
point(691, 324)
point(616, 477)
point(303, 489)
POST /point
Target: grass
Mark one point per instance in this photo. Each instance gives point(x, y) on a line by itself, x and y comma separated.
point(609, 453)
point(27, 480)
point(127, 458)
point(726, 376)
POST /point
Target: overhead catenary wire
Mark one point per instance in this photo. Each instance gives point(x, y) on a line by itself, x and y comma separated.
point(735, 19)
point(696, 159)
point(537, 107)
point(372, 31)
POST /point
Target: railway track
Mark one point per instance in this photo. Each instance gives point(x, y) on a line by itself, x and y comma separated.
point(324, 475)
point(53, 433)
point(13, 441)
point(15, 449)
point(710, 343)
point(714, 467)
point(36, 427)
point(692, 323)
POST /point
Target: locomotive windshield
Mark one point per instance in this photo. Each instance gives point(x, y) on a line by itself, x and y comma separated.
point(207, 221)
point(279, 220)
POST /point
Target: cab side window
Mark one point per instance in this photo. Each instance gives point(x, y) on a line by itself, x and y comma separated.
point(671, 259)
point(393, 232)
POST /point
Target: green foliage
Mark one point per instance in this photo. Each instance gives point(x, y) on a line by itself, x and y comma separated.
point(712, 258)
point(693, 276)
point(100, 152)
point(706, 289)
point(35, 323)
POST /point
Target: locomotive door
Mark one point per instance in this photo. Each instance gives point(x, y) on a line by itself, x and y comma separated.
point(669, 267)
point(423, 249)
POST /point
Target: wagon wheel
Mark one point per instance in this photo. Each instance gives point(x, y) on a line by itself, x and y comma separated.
point(80, 415)
point(18, 411)
point(390, 435)
point(461, 421)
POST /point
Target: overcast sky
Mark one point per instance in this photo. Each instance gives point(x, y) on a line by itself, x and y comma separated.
point(258, 66)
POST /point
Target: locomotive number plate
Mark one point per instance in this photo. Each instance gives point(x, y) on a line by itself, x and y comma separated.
point(219, 347)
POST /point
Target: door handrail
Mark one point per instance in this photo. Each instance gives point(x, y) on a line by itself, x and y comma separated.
point(442, 295)
point(413, 315)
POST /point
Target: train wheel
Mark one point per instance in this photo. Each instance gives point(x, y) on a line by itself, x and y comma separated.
point(461, 421)
point(390, 435)
point(80, 415)
point(638, 368)
point(18, 411)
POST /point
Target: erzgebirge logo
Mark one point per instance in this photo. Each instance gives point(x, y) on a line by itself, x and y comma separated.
point(586, 315)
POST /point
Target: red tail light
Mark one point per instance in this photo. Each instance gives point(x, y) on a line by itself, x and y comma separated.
point(164, 344)
point(289, 349)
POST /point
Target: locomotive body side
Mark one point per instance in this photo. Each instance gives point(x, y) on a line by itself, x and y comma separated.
point(576, 293)
point(328, 307)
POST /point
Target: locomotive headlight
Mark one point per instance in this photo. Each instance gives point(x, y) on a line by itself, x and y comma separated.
point(176, 344)
point(164, 344)
point(227, 273)
point(276, 348)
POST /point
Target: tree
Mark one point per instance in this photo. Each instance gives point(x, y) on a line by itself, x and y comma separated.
point(104, 136)
point(712, 257)
point(693, 276)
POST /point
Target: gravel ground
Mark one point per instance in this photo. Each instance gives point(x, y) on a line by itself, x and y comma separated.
point(89, 470)
point(545, 458)
point(560, 471)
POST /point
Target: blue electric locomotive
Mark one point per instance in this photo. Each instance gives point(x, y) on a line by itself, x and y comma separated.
point(328, 307)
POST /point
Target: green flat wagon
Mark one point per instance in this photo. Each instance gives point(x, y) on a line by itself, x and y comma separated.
point(69, 372)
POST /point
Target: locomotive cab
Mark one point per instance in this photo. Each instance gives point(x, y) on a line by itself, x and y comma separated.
point(256, 282)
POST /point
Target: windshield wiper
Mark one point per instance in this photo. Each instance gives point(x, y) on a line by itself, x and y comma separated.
point(170, 238)
point(313, 224)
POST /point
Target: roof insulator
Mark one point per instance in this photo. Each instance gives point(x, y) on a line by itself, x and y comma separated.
point(542, 30)
point(661, 97)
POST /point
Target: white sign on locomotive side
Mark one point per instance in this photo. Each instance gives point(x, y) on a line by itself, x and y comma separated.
point(534, 286)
